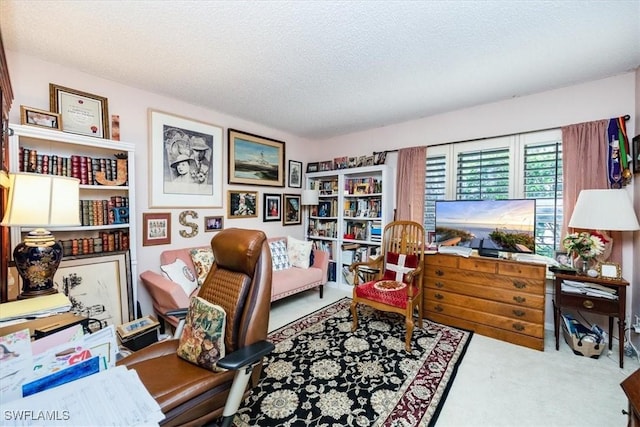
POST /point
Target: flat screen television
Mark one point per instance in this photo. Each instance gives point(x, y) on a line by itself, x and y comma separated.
point(498, 225)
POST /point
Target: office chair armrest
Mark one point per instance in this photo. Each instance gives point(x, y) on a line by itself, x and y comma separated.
point(180, 313)
point(246, 355)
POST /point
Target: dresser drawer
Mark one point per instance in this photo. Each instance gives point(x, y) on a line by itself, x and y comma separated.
point(496, 321)
point(484, 305)
point(520, 270)
point(516, 298)
point(521, 284)
point(478, 264)
point(441, 260)
point(600, 305)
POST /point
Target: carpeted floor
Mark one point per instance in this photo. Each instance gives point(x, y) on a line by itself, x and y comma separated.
point(322, 374)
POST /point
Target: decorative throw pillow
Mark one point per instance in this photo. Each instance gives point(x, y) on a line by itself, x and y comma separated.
point(398, 265)
point(202, 260)
point(279, 255)
point(299, 251)
point(202, 339)
point(178, 272)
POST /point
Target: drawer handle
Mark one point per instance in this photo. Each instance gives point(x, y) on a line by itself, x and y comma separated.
point(518, 327)
point(519, 299)
point(439, 273)
point(518, 284)
point(439, 284)
point(588, 304)
point(439, 296)
point(438, 308)
point(519, 313)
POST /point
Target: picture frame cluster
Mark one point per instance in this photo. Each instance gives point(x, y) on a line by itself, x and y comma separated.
point(346, 162)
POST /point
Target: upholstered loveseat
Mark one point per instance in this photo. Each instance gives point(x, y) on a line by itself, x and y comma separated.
point(168, 294)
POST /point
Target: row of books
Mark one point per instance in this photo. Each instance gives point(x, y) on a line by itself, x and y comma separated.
point(362, 186)
point(326, 246)
point(366, 208)
point(104, 212)
point(325, 208)
point(82, 167)
point(107, 241)
point(326, 187)
point(321, 228)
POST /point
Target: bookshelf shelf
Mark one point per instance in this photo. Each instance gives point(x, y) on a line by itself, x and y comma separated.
point(357, 203)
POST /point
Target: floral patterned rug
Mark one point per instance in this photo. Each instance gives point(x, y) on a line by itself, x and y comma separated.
point(322, 374)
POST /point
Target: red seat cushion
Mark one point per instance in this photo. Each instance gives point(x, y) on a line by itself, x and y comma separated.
point(397, 298)
point(398, 265)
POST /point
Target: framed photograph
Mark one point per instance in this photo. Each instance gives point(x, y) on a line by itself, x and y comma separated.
point(563, 259)
point(379, 157)
point(609, 270)
point(81, 113)
point(45, 119)
point(213, 223)
point(327, 165)
point(635, 149)
point(295, 174)
point(185, 160)
point(313, 167)
point(272, 207)
point(99, 287)
point(242, 204)
point(292, 214)
point(137, 326)
point(156, 228)
point(255, 160)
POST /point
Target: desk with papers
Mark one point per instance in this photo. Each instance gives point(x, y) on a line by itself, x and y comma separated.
point(592, 294)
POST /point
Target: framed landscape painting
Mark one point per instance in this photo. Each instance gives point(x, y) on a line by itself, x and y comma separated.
point(185, 162)
point(292, 214)
point(255, 160)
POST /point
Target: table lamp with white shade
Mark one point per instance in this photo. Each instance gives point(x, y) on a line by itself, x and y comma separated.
point(40, 201)
point(604, 210)
point(309, 198)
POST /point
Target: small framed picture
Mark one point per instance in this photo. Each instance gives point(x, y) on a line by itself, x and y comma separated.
point(213, 223)
point(295, 174)
point(136, 326)
point(34, 117)
point(292, 214)
point(156, 228)
point(609, 270)
point(313, 167)
point(82, 113)
point(242, 204)
point(563, 259)
point(635, 149)
point(272, 209)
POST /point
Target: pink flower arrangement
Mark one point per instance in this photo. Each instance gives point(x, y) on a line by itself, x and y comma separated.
point(585, 245)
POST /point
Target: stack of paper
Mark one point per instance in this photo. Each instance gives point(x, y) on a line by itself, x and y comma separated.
point(455, 250)
point(590, 289)
point(35, 307)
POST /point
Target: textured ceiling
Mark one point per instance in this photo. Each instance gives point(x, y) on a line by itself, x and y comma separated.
point(324, 68)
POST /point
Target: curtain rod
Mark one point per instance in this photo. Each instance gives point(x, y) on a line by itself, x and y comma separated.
point(626, 118)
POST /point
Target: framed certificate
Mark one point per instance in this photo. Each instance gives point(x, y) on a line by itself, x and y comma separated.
point(82, 113)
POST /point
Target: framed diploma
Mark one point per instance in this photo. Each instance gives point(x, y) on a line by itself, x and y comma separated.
point(82, 113)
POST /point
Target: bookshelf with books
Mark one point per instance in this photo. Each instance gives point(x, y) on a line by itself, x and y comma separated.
point(353, 206)
point(104, 168)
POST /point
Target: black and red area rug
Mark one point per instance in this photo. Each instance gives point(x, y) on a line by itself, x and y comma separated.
point(322, 374)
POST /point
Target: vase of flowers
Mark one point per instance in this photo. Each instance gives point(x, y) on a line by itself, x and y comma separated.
point(585, 246)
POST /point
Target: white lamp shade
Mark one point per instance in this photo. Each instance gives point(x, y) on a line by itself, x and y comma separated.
point(309, 197)
point(42, 200)
point(607, 210)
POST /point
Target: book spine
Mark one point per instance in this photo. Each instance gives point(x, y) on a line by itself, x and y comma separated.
point(75, 167)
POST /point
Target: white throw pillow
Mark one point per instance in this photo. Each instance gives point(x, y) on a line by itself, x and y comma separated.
point(279, 255)
point(299, 252)
point(179, 273)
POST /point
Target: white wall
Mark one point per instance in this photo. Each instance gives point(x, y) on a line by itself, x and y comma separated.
point(595, 100)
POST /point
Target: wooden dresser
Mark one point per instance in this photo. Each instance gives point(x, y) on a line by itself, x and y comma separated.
point(501, 299)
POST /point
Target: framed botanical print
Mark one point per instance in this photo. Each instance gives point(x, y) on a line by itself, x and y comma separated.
point(271, 207)
point(295, 174)
point(185, 162)
point(255, 160)
point(291, 210)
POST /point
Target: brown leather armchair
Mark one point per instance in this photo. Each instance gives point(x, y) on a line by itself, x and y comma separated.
point(240, 282)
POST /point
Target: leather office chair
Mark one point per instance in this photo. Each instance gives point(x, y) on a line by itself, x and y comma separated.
point(240, 282)
point(397, 285)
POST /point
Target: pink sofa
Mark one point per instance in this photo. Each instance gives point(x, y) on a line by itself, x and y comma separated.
point(167, 295)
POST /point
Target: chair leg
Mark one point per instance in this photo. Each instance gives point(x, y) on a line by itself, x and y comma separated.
point(354, 313)
point(409, 325)
point(419, 315)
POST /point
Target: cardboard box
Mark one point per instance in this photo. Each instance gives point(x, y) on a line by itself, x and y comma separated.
point(582, 340)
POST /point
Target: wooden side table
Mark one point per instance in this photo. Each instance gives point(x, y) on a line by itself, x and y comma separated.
point(631, 387)
point(609, 307)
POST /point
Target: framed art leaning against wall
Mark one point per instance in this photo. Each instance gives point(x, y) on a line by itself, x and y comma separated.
point(185, 162)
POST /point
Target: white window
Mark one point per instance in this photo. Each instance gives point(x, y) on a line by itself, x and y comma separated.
point(525, 166)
